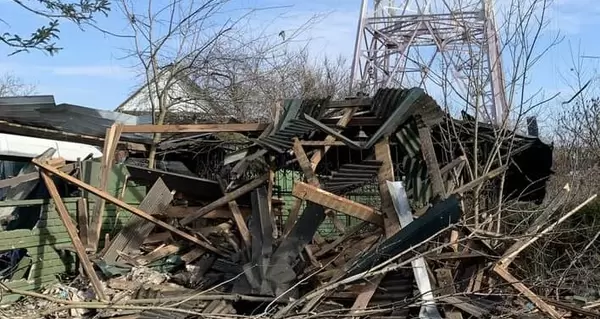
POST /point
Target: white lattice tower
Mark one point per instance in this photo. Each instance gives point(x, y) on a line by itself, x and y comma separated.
point(448, 47)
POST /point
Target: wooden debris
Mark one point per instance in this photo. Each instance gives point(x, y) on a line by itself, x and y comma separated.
point(225, 199)
point(126, 206)
point(111, 140)
point(138, 228)
point(335, 202)
point(72, 231)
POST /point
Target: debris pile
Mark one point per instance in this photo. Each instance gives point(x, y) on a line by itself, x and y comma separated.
point(430, 241)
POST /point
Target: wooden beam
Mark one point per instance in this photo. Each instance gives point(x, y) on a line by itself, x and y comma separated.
point(314, 161)
point(433, 167)
point(518, 285)
point(158, 253)
point(322, 143)
point(238, 218)
point(304, 163)
point(385, 174)
point(63, 213)
point(82, 220)
point(318, 196)
point(113, 135)
point(225, 199)
point(194, 128)
point(123, 205)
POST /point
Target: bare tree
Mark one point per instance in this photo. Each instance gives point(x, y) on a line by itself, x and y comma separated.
point(11, 85)
point(168, 41)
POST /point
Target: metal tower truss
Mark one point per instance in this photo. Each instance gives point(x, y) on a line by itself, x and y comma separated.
point(448, 47)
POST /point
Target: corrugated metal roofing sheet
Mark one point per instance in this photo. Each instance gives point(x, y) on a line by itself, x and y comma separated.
point(41, 112)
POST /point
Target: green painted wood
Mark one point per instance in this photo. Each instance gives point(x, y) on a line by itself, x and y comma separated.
point(42, 242)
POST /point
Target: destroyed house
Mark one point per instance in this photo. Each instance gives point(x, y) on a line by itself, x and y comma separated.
point(328, 191)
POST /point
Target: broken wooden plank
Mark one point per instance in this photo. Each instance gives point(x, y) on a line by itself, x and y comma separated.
point(113, 134)
point(304, 163)
point(82, 220)
point(192, 255)
point(137, 228)
point(385, 174)
point(130, 208)
point(225, 199)
point(316, 195)
point(238, 218)
point(194, 128)
point(518, 285)
point(158, 253)
point(314, 161)
point(64, 215)
point(433, 167)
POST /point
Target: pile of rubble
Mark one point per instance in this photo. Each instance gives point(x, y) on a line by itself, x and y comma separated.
point(431, 247)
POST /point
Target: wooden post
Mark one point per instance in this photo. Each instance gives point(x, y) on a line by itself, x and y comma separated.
point(72, 231)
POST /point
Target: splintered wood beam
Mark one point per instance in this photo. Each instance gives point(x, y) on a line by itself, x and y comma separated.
point(82, 220)
point(113, 135)
point(238, 218)
point(433, 167)
point(314, 162)
point(63, 213)
point(385, 174)
point(326, 199)
point(304, 163)
point(225, 199)
point(518, 285)
point(194, 128)
point(119, 203)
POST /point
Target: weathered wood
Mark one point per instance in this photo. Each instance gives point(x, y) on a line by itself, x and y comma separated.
point(238, 218)
point(518, 285)
point(225, 199)
point(385, 174)
point(130, 208)
point(433, 167)
point(316, 195)
point(194, 128)
point(158, 253)
point(304, 163)
point(113, 134)
point(137, 229)
point(72, 231)
point(193, 254)
point(82, 220)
